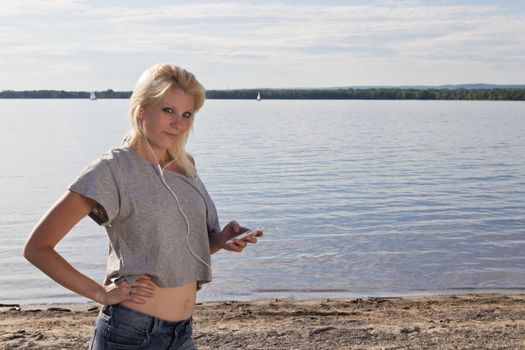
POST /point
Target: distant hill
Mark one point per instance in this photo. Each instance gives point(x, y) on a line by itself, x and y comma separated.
point(477, 86)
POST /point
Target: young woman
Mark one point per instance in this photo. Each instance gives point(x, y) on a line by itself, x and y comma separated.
point(161, 223)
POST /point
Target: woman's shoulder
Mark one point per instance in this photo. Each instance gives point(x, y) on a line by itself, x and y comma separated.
point(192, 160)
point(116, 154)
point(113, 159)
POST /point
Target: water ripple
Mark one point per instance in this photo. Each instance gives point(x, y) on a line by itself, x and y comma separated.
point(357, 197)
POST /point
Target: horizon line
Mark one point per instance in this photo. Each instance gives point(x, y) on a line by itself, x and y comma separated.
point(413, 86)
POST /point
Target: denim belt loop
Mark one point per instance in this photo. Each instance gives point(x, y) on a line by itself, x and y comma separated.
point(180, 326)
point(155, 328)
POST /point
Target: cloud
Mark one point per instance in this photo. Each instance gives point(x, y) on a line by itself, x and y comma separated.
point(291, 37)
point(37, 7)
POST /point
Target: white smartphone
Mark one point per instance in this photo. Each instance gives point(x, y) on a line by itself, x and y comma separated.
point(249, 232)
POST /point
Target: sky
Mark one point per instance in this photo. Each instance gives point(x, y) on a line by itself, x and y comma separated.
point(98, 45)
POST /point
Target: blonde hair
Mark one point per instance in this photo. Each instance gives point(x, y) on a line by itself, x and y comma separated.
point(152, 88)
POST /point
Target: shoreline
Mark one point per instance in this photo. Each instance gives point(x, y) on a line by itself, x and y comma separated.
point(303, 296)
point(472, 321)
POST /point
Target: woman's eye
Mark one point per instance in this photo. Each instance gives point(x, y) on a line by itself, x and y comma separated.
point(186, 115)
point(167, 110)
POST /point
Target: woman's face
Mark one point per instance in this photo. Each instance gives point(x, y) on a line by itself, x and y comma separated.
point(163, 123)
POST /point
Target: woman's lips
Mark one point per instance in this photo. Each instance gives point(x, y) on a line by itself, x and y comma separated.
point(170, 134)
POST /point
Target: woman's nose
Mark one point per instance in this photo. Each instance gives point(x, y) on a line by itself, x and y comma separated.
point(175, 120)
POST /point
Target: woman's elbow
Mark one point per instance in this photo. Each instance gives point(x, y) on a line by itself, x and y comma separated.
point(32, 251)
point(28, 251)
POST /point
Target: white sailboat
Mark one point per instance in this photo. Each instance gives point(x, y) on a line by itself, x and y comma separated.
point(92, 97)
point(258, 95)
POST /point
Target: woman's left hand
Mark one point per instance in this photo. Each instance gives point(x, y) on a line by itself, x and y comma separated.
point(228, 241)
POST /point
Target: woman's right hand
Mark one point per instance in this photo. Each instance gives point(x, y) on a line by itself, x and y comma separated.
point(137, 292)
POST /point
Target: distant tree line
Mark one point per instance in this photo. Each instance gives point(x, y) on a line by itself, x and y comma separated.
point(372, 94)
point(500, 94)
point(63, 94)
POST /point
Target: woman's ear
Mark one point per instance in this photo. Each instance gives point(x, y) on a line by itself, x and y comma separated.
point(141, 113)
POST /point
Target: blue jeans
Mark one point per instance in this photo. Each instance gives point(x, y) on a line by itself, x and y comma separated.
point(118, 327)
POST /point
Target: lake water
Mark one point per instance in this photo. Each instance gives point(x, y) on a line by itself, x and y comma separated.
point(358, 198)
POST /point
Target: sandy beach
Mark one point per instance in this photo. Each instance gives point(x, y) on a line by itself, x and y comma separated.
point(486, 321)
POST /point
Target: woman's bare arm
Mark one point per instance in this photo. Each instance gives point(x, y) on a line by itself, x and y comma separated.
point(40, 251)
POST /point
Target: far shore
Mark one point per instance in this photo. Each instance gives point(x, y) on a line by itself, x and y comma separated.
point(479, 92)
point(471, 321)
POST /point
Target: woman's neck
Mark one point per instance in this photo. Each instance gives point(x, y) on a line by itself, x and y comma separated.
point(151, 153)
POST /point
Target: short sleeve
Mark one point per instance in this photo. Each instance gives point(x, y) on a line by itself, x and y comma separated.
point(97, 182)
point(212, 218)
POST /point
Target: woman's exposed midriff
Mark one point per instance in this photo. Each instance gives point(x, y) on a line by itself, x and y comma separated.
point(170, 304)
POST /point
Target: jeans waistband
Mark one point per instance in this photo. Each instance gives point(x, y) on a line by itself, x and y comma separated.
point(157, 324)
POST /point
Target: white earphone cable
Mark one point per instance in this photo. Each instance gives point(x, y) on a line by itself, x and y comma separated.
point(161, 175)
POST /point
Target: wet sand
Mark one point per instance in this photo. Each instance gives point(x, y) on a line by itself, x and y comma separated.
point(485, 321)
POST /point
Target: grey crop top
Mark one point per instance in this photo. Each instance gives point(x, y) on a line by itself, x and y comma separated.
point(146, 231)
